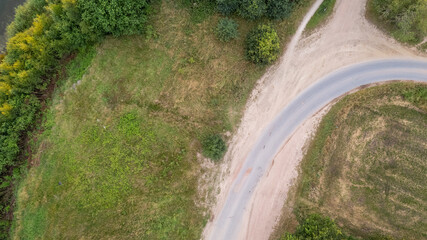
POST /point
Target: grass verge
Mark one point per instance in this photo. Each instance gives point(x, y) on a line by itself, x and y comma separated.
point(403, 20)
point(117, 158)
point(323, 12)
point(365, 166)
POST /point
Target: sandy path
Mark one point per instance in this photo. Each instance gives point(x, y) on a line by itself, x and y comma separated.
point(346, 39)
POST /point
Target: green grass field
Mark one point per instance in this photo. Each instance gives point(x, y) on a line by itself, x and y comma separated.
point(366, 167)
point(117, 157)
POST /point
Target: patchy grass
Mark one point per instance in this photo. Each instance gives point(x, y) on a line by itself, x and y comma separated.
point(402, 19)
point(366, 167)
point(323, 12)
point(117, 158)
point(422, 47)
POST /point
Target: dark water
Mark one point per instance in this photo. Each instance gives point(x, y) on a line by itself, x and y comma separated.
point(7, 11)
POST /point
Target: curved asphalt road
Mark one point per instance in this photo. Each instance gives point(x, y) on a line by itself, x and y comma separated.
point(314, 98)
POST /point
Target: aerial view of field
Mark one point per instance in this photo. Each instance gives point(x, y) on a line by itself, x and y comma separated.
point(365, 166)
point(213, 119)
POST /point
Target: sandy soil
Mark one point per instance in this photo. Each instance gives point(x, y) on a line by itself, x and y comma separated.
point(347, 38)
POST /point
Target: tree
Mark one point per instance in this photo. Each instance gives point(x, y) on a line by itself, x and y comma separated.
point(262, 45)
point(226, 29)
point(227, 7)
point(24, 16)
point(117, 17)
point(279, 9)
point(252, 9)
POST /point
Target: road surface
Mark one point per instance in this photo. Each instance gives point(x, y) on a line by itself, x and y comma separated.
point(227, 224)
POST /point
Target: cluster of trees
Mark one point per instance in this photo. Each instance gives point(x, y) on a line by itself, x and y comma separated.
point(407, 18)
point(254, 9)
point(42, 33)
point(262, 43)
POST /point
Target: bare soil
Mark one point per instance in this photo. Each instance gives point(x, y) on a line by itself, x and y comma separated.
point(347, 38)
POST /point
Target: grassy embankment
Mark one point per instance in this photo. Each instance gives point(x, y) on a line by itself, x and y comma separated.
point(365, 166)
point(402, 19)
point(117, 158)
point(323, 12)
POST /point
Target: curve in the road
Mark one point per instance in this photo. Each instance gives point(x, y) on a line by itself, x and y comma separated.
point(228, 222)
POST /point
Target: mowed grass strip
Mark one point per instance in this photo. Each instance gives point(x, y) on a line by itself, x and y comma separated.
point(366, 167)
point(117, 158)
point(321, 15)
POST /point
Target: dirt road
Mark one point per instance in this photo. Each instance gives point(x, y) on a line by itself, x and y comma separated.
point(346, 39)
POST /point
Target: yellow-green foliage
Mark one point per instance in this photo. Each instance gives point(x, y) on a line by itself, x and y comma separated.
point(27, 57)
point(262, 45)
point(5, 108)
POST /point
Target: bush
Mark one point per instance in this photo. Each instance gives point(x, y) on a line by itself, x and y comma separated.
point(117, 17)
point(262, 45)
point(226, 29)
point(317, 227)
point(252, 9)
point(279, 9)
point(227, 7)
point(214, 147)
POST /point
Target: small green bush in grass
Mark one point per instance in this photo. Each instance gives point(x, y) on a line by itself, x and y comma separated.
point(417, 96)
point(317, 227)
point(262, 45)
point(214, 147)
point(226, 29)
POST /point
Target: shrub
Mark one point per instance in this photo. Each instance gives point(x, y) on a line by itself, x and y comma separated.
point(214, 147)
point(279, 9)
point(317, 227)
point(262, 45)
point(226, 29)
point(252, 9)
point(417, 96)
point(227, 7)
point(117, 17)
